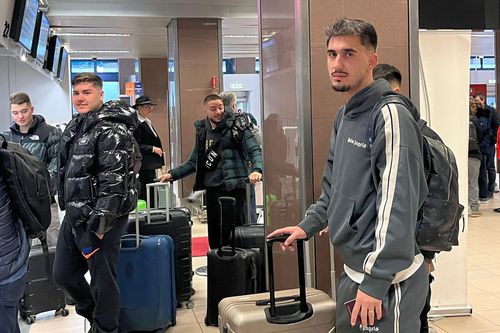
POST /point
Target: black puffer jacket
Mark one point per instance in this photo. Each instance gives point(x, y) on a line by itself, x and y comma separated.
point(14, 245)
point(42, 141)
point(98, 167)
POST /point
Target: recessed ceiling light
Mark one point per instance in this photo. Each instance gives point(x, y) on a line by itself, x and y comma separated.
point(240, 51)
point(240, 36)
point(99, 51)
point(93, 34)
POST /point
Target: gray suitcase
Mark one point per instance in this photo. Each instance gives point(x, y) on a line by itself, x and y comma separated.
point(292, 311)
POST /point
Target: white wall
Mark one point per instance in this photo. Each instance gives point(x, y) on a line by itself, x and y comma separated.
point(444, 103)
point(51, 99)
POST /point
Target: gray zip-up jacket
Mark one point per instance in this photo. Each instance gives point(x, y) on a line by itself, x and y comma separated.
point(371, 194)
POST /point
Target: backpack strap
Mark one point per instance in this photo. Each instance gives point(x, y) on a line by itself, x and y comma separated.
point(388, 98)
point(241, 123)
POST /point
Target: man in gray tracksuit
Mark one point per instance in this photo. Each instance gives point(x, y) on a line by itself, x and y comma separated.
point(371, 193)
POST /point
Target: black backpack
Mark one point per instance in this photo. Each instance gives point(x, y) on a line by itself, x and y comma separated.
point(27, 181)
point(438, 223)
point(28, 186)
point(473, 140)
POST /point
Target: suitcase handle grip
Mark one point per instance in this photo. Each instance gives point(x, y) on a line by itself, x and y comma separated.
point(263, 302)
point(131, 241)
point(304, 308)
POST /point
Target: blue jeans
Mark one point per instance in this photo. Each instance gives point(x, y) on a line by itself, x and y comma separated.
point(10, 295)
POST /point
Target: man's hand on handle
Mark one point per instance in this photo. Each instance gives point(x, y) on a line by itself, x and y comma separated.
point(166, 178)
point(294, 232)
point(255, 177)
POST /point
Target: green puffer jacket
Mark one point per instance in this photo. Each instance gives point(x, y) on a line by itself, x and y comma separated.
point(233, 156)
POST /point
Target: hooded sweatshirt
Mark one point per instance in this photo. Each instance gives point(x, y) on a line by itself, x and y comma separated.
point(372, 192)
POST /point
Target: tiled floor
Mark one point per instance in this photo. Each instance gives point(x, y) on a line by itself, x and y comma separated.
point(483, 288)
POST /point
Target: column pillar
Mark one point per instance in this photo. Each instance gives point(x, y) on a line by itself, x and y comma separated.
point(194, 57)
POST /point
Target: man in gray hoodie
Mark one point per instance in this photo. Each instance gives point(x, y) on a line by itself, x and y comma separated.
point(371, 193)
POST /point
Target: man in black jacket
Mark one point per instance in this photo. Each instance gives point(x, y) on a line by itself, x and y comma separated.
point(475, 157)
point(40, 139)
point(14, 251)
point(488, 119)
point(149, 143)
point(97, 173)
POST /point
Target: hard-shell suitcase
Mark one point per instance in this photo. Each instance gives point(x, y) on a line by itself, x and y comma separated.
point(252, 236)
point(175, 223)
point(146, 277)
point(40, 292)
point(231, 272)
point(290, 311)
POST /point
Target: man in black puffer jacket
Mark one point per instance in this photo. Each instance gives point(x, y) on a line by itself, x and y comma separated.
point(97, 174)
point(41, 140)
point(14, 251)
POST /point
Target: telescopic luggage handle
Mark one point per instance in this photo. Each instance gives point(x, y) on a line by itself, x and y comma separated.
point(290, 313)
point(233, 223)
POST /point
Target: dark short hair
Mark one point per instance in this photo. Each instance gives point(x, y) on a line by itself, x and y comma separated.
point(212, 97)
point(353, 27)
point(388, 72)
point(87, 78)
point(19, 98)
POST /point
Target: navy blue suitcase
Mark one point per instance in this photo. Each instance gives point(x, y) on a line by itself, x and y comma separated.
point(146, 277)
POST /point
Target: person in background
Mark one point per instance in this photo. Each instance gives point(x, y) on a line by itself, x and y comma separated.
point(41, 140)
point(488, 119)
point(392, 75)
point(371, 193)
point(97, 188)
point(474, 163)
point(229, 99)
point(149, 144)
point(14, 252)
point(219, 160)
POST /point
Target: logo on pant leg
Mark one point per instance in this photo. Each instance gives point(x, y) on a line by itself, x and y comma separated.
point(369, 328)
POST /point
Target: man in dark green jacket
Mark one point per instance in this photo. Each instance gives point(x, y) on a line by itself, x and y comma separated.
point(218, 159)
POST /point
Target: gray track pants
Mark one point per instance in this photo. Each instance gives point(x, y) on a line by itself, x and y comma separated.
point(403, 304)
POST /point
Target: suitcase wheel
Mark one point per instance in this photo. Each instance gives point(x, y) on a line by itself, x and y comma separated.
point(64, 312)
point(189, 305)
point(30, 319)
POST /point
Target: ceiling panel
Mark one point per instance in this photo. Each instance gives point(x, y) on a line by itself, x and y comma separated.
point(146, 23)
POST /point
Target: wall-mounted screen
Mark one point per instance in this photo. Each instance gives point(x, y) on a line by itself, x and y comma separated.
point(53, 53)
point(41, 37)
point(23, 22)
point(62, 64)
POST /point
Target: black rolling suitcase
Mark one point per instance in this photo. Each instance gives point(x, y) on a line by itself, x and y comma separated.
point(175, 223)
point(252, 236)
point(231, 271)
point(40, 292)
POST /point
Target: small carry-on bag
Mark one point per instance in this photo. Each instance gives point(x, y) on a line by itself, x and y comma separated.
point(175, 223)
point(146, 277)
point(40, 292)
point(228, 262)
point(290, 311)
